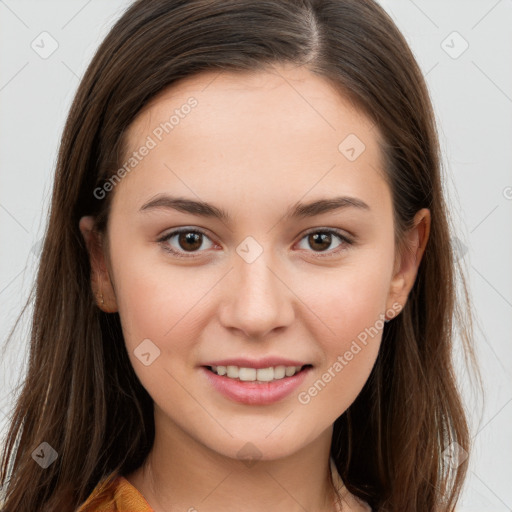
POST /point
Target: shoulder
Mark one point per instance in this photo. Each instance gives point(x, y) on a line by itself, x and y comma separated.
point(115, 494)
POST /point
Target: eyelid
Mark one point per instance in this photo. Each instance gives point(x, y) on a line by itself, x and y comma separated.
point(345, 235)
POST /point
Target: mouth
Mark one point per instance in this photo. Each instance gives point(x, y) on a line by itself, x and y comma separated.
point(255, 386)
point(258, 375)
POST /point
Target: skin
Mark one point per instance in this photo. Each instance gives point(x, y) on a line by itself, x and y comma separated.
point(256, 144)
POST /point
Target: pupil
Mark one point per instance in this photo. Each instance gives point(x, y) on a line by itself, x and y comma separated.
point(318, 238)
point(192, 240)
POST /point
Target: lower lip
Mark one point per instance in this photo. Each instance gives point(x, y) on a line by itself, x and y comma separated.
point(255, 393)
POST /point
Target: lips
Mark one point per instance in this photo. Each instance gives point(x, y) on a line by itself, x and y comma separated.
point(242, 386)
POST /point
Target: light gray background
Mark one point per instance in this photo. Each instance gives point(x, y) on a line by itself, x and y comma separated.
point(472, 95)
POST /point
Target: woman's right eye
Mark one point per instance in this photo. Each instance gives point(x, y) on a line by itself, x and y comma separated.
point(186, 240)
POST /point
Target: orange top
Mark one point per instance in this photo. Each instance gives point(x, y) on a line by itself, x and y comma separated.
point(118, 496)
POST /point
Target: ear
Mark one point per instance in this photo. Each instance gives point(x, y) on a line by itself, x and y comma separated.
point(408, 260)
point(100, 278)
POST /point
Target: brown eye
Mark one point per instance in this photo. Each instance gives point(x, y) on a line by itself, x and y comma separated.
point(189, 241)
point(186, 241)
point(321, 240)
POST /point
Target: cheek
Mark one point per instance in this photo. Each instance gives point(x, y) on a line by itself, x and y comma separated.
point(348, 358)
point(156, 309)
point(350, 317)
point(157, 301)
point(348, 299)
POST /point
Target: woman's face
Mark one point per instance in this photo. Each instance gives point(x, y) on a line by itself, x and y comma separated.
point(289, 258)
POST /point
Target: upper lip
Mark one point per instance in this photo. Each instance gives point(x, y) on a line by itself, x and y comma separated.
point(265, 362)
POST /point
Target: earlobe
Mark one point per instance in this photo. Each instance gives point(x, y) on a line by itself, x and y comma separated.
point(100, 278)
point(408, 260)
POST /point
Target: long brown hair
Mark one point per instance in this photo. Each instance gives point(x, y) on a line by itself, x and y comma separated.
point(81, 395)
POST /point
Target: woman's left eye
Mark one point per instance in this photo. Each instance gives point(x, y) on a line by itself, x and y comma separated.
point(324, 238)
point(190, 240)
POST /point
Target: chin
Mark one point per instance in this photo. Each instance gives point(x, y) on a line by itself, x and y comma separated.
point(251, 447)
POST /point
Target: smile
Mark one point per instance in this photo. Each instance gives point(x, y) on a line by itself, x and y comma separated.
point(257, 375)
point(255, 386)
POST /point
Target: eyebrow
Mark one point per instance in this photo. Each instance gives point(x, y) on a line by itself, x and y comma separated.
point(296, 211)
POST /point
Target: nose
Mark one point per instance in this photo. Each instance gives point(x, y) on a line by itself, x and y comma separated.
point(257, 300)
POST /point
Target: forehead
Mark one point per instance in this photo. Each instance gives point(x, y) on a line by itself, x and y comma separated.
point(284, 129)
point(279, 97)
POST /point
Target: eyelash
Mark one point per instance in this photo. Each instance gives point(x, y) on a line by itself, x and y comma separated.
point(344, 239)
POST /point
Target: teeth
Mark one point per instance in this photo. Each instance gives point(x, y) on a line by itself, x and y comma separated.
point(252, 374)
point(265, 374)
point(247, 374)
point(279, 372)
point(232, 372)
point(290, 370)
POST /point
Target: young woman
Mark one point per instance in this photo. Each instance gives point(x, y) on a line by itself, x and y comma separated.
point(246, 293)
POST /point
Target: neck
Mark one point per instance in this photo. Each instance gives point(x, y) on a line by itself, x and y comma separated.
point(183, 474)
